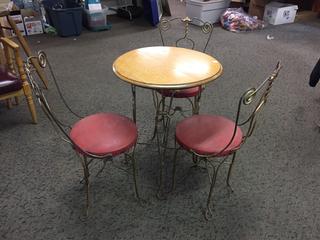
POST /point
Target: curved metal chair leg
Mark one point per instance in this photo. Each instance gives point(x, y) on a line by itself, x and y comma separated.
point(158, 105)
point(195, 159)
point(195, 109)
point(230, 170)
point(208, 211)
point(160, 194)
point(86, 179)
point(173, 184)
point(134, 174)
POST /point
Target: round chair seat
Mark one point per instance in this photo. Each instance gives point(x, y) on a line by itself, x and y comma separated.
point(104, 133)
point(208, 134)
point(181, 93)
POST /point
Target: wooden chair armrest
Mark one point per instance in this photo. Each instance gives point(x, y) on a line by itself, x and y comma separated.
point(9, 43)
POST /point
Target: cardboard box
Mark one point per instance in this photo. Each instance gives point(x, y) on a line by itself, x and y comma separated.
point(255, 10)
point(17, 18)
point(33, 26)
point(256, 7)
point(279, 13)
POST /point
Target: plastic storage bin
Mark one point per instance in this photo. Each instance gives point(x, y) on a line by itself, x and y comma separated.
point(209, 11)
point(66, 17)
point(96, 20)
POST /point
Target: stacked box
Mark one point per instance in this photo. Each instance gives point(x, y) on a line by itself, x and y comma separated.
point(17, 18)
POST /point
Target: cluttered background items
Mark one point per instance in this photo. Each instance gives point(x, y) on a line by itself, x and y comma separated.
point(62, 17)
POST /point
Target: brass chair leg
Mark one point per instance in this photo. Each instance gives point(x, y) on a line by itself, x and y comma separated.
point(208, 211)
point(173, 184)
point(230, 169)
point(163, 157)
point(134, 174)
point(86, 179)
point(195, 106)
point(156, 119)
point(195, 159)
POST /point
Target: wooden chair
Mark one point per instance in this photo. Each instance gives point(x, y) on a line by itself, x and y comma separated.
point(8, 24)
point(186, 29)
point(213, 138)
point(13, 79)
point(100, 136)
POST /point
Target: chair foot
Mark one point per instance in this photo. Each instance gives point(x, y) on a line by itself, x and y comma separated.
point(208, 213)
point(230, 169)
point(142, 202)
point(161, 195)
point(229, 190)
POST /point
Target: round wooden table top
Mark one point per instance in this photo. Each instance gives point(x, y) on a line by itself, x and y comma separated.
point(166, 67)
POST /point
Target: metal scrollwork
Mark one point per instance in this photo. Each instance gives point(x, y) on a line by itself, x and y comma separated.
point(186, 20)
point(42, 59)
point(28, 66)
point(165, 24)
point(206, 27)
point(249, 96)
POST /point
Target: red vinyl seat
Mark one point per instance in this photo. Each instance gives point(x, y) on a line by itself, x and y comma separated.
point(104, 133)
point(211, 139)
point(208, 134)
point(181, 93)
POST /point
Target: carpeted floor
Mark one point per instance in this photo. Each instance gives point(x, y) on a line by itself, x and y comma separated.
point(276, 176)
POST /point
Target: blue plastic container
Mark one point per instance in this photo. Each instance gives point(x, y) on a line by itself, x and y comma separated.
point(67, 21)
point(66, 18)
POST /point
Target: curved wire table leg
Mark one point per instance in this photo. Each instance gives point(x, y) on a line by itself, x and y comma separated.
point(134, 103)
point(163, 106)
point(230, 170)
point(165, 143)
point(173, 184)
point(157, 105)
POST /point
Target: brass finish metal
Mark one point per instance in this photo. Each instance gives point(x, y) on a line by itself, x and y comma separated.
point(63, 129)
point(166, 68)
point(183, 23)
point(205, 28)
point(215, 161)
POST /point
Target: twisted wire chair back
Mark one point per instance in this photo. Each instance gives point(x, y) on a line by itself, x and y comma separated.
point(257, 95)
point(59, 126)
point(186, 38)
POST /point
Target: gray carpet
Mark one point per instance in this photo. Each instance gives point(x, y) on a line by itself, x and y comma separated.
point(276, 175)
